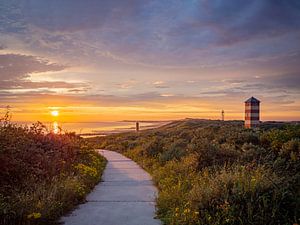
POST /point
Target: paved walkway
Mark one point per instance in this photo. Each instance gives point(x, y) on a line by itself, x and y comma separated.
point(125, 197)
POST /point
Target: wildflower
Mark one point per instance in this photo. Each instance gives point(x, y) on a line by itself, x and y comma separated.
point(80, 190)
point(34, 215)
point(39, 205)
point(86, 170)
point(293, 156)
point(205, 173)
point(186, 211)
point(253, 182)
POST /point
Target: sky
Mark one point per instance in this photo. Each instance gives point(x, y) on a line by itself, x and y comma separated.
point(149, 60)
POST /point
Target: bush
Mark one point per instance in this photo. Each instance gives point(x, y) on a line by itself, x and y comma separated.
point(217, 172)
point(43, 175)
point(238, 196)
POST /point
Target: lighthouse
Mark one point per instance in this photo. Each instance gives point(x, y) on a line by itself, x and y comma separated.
point(251, 112)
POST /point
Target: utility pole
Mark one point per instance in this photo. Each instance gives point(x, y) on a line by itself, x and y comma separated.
point(223, 115)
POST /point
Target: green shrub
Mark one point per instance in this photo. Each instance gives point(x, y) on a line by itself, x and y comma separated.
point(43, 175)
point(217, 172)
point(238, 196)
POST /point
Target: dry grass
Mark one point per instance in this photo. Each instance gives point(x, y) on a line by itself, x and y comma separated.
point(212, 172)
point(43, 175)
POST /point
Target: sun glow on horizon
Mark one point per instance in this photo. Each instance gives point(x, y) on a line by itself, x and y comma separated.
point(55, 113)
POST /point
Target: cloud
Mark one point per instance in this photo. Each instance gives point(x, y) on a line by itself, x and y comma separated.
point(167, 95)
point(160, 84)
point(73, 15)
point(77, 90)
point(144, 96)
point(284, 81)
point(209, 50)
point(83, 99)
point(15, 66)
point(279, 92)
point(288, 82)
point(24, 84)
point(231, 22)
point(233, 81)
point(127, 84)
point(15, 73)
point(154, 33)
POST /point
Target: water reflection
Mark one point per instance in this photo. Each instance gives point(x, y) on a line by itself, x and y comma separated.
point(100, 128)
point(55, 127)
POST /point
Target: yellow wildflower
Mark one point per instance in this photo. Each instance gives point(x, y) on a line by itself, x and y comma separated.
point(34, 215)
point(186, 211)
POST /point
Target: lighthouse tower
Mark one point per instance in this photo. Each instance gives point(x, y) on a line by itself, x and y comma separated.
point(251, 112)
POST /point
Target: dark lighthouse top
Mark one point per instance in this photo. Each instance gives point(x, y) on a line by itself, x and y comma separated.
point(252, 100)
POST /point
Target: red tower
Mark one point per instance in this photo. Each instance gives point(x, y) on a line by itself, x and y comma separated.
point(251, 112)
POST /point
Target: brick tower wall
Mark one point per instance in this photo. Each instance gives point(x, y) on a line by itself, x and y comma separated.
point(251, 114)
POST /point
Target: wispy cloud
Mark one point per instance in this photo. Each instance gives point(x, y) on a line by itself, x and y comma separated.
point(142, 52)
point(14, 66)
point(15, 72)
point(160, 84)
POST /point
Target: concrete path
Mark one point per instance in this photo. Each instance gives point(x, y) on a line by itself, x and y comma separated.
point(125, 197)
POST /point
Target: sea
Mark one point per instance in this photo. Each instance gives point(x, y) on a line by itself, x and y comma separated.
point(92, 129)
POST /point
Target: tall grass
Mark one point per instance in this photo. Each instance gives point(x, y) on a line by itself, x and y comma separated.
point(212, 172)
point(43, 175)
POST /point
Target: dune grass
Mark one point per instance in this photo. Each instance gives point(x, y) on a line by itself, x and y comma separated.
point(43, 175)
point(214, 172)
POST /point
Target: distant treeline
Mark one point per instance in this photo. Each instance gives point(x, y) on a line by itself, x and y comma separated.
point(214, 172)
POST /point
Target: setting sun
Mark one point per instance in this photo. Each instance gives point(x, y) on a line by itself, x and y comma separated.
point(54, 113)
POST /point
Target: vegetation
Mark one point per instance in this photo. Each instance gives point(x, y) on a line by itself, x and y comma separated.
point(214, 172)
point(43, 175)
